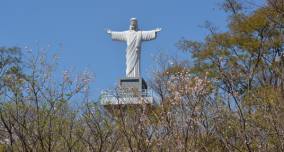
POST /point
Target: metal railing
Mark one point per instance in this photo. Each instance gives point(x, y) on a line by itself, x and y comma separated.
point(125, 93)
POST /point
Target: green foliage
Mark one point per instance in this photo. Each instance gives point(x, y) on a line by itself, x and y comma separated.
point(229, 99)
point(242, 64)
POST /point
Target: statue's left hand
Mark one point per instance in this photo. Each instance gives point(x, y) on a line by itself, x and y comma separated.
point(158, 29)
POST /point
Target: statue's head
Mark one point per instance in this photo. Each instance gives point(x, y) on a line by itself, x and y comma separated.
point(133, 24)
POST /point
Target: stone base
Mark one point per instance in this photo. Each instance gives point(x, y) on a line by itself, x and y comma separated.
point(133, 83)
point(131, 91)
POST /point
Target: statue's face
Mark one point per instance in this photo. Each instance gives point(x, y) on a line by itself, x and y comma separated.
point(133, 25)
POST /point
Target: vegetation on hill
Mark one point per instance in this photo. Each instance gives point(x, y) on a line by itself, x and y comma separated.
point(230, 98)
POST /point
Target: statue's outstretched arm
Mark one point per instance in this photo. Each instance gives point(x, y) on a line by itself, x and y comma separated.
point(118, 36)
point(150, 35)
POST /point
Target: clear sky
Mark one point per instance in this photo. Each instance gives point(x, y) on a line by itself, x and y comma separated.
point(77, 26)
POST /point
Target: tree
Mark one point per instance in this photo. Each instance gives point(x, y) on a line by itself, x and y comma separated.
point(35, 111)
point(229, 99)
point(245, 66)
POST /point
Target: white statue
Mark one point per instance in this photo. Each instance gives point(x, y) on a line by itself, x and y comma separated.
point(133, 38)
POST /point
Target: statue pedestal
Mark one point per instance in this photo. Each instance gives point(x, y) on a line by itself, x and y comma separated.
point(131, 92)
point(133, 85)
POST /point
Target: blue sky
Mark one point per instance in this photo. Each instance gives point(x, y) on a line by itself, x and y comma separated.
point(75, 30)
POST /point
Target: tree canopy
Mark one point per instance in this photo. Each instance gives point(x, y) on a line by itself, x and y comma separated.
point(230, 98)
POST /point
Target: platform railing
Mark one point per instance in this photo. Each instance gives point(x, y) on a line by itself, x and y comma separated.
point(123, 93)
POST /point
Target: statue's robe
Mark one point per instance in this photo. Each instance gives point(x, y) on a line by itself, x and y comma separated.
point(133, 40)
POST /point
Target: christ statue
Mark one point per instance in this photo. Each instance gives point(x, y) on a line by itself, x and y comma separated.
point(133, 38)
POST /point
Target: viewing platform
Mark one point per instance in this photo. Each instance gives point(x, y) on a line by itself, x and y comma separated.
point(131, 92)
